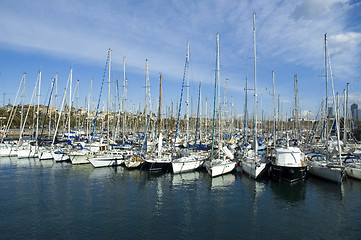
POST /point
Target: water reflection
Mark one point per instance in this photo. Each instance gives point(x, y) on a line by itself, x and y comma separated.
point(186, 178)
point(220, 182)
point(289, 192)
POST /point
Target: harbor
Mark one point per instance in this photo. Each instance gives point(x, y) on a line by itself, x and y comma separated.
point(44, 199)
point(204, 120)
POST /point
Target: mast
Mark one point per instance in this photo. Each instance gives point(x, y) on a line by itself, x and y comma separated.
point(219, 96)
point(296, 106)
point(245, 113)
point(123, 101)
point(70, 102)
point(108, 105)
point(76, 106)
point(345, 116)
point(56, 97)
point(326, 101)
point(187, 77)
point(50, 100)
point(22, 106)
point(88, 108)
point(274, 110)
point(160, 104)
point(38, 111)
point(255, 85)
point(215, 96)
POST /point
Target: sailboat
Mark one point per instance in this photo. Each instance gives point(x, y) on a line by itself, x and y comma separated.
point(111, 157)
point(190, 160)
point(327, 166)
point(10, 149)
point(220, 162)
point(161, 162)
point(253, 164)
point(31, 150)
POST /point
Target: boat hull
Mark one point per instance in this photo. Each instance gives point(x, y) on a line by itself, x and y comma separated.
point(219, 168)
point(288, 174)
point(254, 169)
point(332, 174)
point(186, 164)
point(27, 153)
point(156, 165)
point(105, 161)
point(353, 172)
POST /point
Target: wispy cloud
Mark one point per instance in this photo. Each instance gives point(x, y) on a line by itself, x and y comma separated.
point(289, 33)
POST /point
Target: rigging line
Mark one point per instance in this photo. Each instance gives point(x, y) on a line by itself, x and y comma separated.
point(100, 94)
point(180, 103)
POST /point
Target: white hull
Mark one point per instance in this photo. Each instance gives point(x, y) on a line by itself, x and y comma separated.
point(60, 156)
point(132, 163)
point(254, 169)
point(219, 167)
point(321, 170)
point(80, 157)
point(105, 161)
point(27, 153)
point(45, 155)
point(353, 172)
point(8, 152)
point(186, 164)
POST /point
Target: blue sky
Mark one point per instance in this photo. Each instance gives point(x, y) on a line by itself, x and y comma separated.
point(53, 36)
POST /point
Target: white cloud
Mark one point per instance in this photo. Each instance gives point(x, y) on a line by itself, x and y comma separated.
point(289, 36)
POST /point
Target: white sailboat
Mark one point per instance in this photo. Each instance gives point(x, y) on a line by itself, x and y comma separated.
point(190, 160)
point(31, 150)
point(111, 157)
point(220, 162)
point(327, 166)
point(254, 164)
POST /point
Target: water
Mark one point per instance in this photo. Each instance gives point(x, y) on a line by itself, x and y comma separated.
point(46, 200)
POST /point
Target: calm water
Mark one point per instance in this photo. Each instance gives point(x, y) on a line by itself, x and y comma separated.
point(46, 200)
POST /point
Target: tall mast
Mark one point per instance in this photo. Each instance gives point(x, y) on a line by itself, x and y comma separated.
point(76, 105)
point(108, 105)
point(49, 107)
point(200, 111)
point(22, 105)
point(215, 96)
point(296, 106)
point(219, 95)
point(187, 77)
point(160, 104)
point(38, 110)
point(146, 87)
point(56, 97)
point(88, 108)
point(274, 109)
point(70, 102)
point(123, 101)
point(255, 85)
point(345, 116)
point(326, 104)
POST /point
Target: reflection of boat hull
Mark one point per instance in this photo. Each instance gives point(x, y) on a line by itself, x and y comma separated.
point(289, 174)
